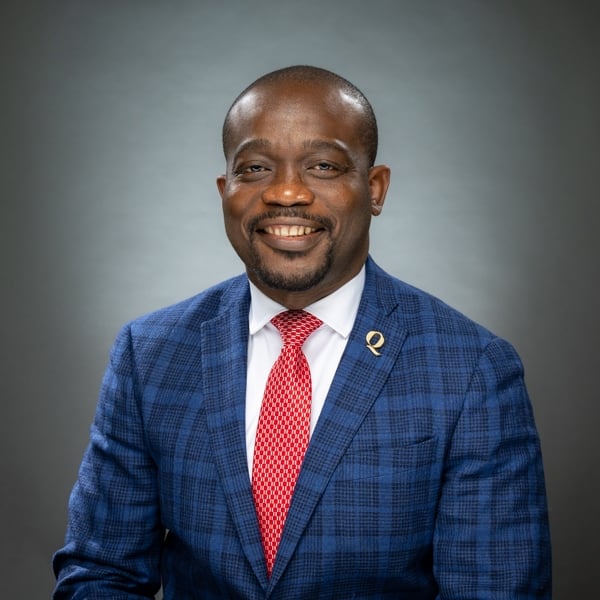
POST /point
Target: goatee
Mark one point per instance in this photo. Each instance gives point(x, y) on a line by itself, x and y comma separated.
point(287, 279)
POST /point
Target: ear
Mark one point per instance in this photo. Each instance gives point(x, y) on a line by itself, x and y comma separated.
point(221, 181)
point(379, 181)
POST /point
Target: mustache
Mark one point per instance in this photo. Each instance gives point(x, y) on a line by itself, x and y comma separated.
point(290, 213)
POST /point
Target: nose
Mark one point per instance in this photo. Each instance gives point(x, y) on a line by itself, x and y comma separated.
point(287, 190)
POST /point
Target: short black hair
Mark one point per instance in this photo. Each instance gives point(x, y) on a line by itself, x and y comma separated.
point(310, 74)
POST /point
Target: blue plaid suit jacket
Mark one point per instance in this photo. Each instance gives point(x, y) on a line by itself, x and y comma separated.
point(423, 478)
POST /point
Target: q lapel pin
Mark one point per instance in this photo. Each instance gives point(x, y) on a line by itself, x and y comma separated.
point(375, 341)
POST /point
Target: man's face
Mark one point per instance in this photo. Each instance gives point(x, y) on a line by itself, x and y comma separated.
point(298, 194)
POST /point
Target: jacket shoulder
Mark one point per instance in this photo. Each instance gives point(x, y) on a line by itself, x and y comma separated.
point(183, 320)
point(424, 314)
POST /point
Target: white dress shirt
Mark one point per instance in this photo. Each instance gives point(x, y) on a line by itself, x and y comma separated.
point(323, 348)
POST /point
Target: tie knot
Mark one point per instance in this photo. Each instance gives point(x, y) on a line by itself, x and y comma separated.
point(295, 326)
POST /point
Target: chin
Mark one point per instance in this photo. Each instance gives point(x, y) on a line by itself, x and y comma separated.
point(289, 277)
point(289, 282)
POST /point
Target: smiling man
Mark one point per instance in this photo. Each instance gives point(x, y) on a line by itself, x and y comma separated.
point(314, 428)
point(300, 187)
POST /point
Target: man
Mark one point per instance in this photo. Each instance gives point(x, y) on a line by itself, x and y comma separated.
point(422, 478)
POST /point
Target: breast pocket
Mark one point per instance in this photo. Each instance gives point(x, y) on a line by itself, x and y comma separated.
point(388, 490)
point(410, 459)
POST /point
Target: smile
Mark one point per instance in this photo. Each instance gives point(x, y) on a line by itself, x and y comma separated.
point(289, 230)
point(298, 236)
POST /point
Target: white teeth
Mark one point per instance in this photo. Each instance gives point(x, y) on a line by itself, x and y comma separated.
point(289, 230)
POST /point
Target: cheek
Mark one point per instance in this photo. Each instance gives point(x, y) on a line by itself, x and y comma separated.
point(237, 214)
point(354, 215)
point(235, 209)
point(232, 218)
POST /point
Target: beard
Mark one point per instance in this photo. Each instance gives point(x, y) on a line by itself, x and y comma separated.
point(290, 279)
point(284, 278)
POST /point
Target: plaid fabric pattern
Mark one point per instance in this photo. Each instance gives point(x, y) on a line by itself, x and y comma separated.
point(423, 478)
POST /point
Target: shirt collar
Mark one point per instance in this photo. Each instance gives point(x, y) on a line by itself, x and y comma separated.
point(338, 310)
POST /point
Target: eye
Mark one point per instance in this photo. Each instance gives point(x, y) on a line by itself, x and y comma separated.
point(249, 171)
point(253, 169)
point(325, 169)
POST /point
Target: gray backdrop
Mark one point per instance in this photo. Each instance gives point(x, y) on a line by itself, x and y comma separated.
point(109, 149)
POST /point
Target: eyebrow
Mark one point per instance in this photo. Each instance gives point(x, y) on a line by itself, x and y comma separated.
point(324, 145)
point(256, 144)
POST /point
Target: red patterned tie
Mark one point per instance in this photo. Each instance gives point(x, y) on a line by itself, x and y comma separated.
point(283, 429)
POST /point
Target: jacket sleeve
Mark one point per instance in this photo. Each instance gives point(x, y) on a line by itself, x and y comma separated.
point(114, 535)
point(491, 539)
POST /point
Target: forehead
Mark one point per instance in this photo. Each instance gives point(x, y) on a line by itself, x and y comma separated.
point(287, 111)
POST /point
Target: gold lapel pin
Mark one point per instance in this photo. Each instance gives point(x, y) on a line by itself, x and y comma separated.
point(375, 341)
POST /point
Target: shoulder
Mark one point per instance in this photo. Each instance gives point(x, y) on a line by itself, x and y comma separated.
point(447, 349)
point(185, 319)
point(424, 316)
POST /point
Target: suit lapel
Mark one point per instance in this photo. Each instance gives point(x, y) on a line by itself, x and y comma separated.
point(359, 379)
point(224, 354)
